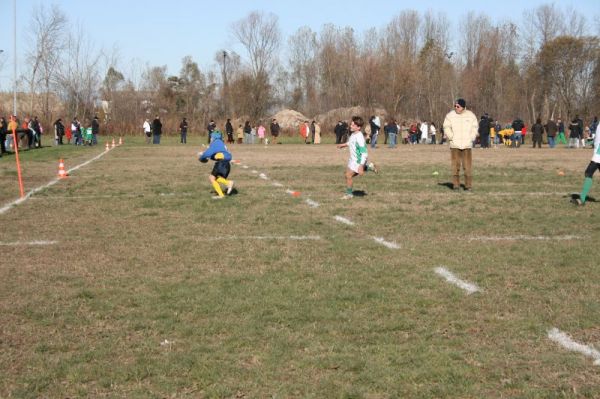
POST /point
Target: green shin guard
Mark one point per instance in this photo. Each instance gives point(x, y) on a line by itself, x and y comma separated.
point(587, 185)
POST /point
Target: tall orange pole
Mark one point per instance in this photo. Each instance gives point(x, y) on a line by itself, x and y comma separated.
point(16, 145)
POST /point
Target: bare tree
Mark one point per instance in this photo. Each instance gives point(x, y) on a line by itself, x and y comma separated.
point(192, 83)
point(259, 34)
point(78, 79)
point(572, 80)
point(46, 36)
point(229, 63)
point(303, 50)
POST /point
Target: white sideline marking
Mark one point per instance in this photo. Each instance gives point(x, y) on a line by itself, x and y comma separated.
point(19, 243)
point(245, 166)
point(288, 191)
point(342, 219)
point(277, 184)
point(390, 245)
point(255, 171)
point(451, 278)
point(311, 203)
point(298, 238)
point(263, 176)
point(524, 237)
point(6, 207)
point(567, 342)
point(71, 197)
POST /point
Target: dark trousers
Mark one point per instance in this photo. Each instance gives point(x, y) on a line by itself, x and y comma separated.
point(485, 140)
point(156, 139)
point(462, 158)
point(537, 139)
point(183, 137)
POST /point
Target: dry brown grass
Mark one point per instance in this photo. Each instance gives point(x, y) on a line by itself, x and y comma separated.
point(340, 317)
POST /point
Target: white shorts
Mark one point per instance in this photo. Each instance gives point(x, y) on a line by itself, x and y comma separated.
point(353, 166)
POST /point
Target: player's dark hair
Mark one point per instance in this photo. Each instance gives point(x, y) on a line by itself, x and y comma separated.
point(358, 121)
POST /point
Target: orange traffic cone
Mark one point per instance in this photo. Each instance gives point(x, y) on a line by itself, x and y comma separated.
point(120, 140)
point(61, 169)
point(113, 143)
point(107, 146)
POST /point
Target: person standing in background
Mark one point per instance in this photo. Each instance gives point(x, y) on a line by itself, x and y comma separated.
point(95, 129)
point(156, 130)
point(537, 132)
point(229, 132)
point(275, 129)
point(551, 129)
point(147, 130)
point(59, 131)
point(183, 129)
point(460, 127)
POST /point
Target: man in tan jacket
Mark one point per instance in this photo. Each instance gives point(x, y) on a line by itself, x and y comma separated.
point(460, 127)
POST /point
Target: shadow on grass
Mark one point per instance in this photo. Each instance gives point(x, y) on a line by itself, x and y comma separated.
point(450, 186)
point(359, 193)
point(577, 196)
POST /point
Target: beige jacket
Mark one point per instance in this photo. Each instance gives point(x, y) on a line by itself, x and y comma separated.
point(461, 129)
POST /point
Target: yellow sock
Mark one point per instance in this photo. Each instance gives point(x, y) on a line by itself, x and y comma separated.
point(223, 180)
point(217, 188)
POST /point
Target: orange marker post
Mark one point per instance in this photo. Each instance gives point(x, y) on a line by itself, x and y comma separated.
point(16, 145)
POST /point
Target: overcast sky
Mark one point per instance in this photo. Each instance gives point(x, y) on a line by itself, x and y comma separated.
point(163, 32)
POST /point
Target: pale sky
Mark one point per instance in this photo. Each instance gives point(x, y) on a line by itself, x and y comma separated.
point(163, 32)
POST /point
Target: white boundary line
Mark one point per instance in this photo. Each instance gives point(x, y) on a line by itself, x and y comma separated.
point(524, 237)
point(263, 176)
point(388, 244)
point(344, 220)
point(311, 203)
point(452, 279)
point(6, 207)
point(27, 243)
point(293, 238)
point(567, 342)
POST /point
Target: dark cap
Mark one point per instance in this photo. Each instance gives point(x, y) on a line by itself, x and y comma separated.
point(461, 102)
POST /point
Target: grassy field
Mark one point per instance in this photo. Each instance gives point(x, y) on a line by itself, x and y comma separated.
point(148, 288)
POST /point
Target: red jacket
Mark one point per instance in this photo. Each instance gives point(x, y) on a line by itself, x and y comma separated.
point(304, 130)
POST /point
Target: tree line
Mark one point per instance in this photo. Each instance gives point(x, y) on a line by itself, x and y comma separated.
point(546, 64)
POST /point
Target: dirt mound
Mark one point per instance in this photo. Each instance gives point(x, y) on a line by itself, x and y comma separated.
point(289, 119)
point(330, 118)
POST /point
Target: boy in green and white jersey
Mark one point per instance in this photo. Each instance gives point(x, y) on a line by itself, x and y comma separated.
point(589, 171)
point(358, 163)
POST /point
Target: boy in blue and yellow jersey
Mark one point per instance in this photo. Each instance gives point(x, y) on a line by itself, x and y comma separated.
point(357, 164)
point(217, 151)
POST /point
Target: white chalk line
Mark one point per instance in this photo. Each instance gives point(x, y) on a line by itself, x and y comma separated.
point(277, 184)
point(245, 166)
point(311, 203)
point(452, 279)
point(255, 171)
point(6, 207)
point(292, 237)
point(388, 244)
point(344, 220)
point(263, 176)
point(567, 342)
point(27, 243)
point(525, 238)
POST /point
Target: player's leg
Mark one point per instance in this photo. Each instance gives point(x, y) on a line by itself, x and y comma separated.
point(216, 186)
point(587, 182)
